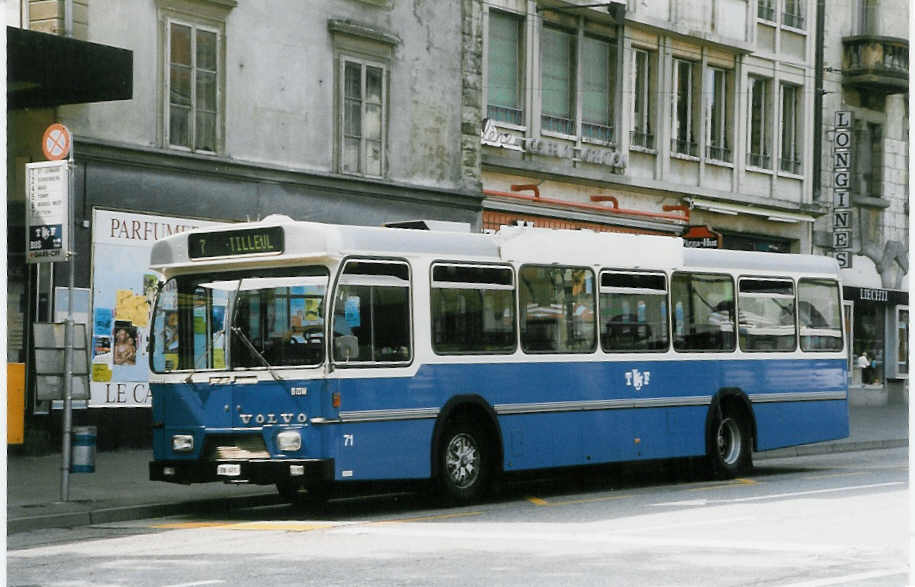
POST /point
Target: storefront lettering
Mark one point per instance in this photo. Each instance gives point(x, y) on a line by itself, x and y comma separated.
point(491, 136)
point(144, 230)
point(872, 295)
point(127, 393)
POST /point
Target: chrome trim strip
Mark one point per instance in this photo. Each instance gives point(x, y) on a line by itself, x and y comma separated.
point(608, 404)
point(799, 396)
point(378, 415)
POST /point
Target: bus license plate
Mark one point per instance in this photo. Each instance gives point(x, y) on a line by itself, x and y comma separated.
point(228, 470)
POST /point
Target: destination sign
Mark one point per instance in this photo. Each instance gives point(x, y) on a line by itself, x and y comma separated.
point(230, 243)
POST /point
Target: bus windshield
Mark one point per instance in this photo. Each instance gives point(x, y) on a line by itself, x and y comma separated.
point(240, 320)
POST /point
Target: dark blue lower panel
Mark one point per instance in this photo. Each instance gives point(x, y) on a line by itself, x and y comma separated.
point(534, 441)
point(781, 424)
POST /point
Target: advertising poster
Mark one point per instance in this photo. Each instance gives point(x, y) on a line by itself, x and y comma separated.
point(123, 292)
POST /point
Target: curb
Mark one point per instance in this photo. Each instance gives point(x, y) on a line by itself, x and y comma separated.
point(107, 515)
point(831, 447)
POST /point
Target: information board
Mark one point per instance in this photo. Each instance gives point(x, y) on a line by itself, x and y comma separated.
point(47, 215)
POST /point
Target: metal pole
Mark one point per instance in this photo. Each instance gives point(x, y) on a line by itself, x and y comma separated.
point(68, 353)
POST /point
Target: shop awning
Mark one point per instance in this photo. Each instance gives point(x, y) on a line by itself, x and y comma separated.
point(735, 209)
point(43, 71)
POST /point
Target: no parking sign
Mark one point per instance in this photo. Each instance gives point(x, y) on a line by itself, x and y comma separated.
point(56, 142)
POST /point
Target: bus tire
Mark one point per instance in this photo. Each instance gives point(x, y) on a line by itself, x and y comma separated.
point(465, 464)
point(729, 444)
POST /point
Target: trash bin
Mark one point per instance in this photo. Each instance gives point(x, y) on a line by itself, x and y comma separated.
point(83, 450)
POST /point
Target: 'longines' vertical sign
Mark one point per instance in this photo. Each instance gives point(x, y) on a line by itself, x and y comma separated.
point(841, 175)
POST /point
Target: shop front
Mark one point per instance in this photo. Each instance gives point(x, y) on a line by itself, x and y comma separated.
point(878, 321)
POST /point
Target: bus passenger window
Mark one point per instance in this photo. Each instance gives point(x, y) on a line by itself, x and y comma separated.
point(557, 309)
point(766, 315)
point(704, 316)
point(372, 313)
point(633, 312)
point(819, 315)
point(473, 309)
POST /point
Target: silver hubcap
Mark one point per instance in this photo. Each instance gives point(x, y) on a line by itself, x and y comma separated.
point(729, 441)
point(462, 459)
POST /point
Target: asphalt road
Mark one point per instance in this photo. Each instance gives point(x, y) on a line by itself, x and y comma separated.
point(839, 519)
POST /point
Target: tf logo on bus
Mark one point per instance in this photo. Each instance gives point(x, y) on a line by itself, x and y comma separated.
point(637, 379)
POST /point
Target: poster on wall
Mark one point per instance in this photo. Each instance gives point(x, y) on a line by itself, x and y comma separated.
point(122, 295)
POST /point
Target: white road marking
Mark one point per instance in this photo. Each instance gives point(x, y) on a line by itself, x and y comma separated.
point(845, 579)
point(210, 582)
point(700, 502)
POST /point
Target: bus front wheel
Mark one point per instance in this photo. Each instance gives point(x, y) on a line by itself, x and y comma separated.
point(464, 463)
point(729, 444)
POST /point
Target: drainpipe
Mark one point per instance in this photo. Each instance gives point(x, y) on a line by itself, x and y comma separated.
point(68, 18)
point(818, 103)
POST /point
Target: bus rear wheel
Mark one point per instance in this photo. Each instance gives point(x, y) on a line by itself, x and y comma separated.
point(464, 463)
point(729, 445)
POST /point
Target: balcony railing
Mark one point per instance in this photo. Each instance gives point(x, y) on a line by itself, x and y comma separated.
point(505, 114)
point(717, 153)
point(760, 160)
point(793, 20)
point(684, 147)
point(599, 133)
point(876, 64)
point(641, 139)
point(790, 165)
point(557, 124)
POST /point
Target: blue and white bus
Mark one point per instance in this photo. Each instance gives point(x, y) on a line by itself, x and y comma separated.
point(305, 355)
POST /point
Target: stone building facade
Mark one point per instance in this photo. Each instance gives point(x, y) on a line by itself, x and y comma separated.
point(347, 111)
point(866, 73)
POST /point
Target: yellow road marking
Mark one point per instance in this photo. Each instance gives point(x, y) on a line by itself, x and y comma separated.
point(732, 483)
point(183, 525)
point(283, 526)
point(428, 518)
point(542, 502)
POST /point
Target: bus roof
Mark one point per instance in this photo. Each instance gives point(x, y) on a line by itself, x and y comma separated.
point(317, 242)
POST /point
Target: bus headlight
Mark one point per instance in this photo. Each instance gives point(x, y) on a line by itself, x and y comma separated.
point(182, 443)
point(289, 441)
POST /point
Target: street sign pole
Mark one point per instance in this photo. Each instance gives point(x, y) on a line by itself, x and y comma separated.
point(68, 337)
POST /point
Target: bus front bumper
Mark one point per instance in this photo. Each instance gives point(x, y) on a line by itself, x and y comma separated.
point(255, 471)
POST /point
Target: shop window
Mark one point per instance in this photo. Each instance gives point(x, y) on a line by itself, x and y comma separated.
point(902, 341)
point(703, 312)
point(557, 309)
point(504, 69)
point(685, 99)
point(790, 159)
point(642, 103)
point(759, 148)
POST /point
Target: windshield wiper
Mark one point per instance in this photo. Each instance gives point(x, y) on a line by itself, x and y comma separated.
point(244, 338)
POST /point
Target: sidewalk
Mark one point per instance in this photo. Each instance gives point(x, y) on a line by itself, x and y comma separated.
point(120, 490)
